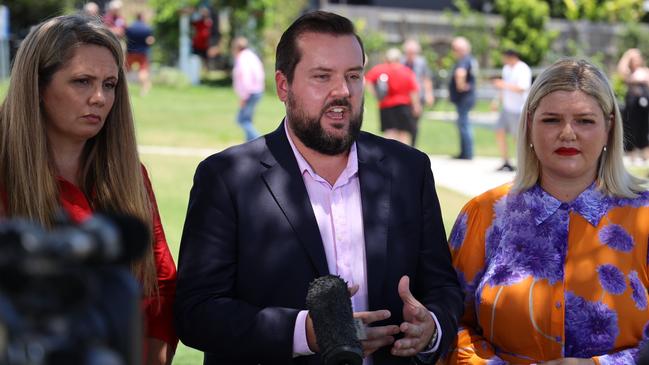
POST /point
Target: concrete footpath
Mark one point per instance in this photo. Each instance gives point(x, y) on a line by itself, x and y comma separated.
point(469, 177)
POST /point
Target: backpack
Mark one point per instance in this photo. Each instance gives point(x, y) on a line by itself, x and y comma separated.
point(382, 86)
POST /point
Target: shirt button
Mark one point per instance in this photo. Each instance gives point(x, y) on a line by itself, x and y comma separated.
point(558, 338)
point(557, 305)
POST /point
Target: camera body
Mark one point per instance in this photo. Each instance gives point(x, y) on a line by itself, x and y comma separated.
point(67, 295)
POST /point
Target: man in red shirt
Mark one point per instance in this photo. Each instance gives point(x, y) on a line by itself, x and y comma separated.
point(399, 106)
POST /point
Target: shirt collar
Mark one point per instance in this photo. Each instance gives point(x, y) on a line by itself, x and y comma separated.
point(350, 170)
point(591, 204)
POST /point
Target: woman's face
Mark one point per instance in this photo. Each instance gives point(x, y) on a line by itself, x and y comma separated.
point(80, 95)
point(569, 131)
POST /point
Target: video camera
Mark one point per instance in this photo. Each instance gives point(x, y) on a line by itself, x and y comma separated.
point(67, 295)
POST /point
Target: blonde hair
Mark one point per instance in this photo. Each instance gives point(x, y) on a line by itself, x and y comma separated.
point(111, 172)
point(570, 75)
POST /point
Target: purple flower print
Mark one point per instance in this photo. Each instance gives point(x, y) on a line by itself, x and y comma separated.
point(459, 231)
point(612, 279)
point(518, 246)
point(638, 293)
point(590, 327)
point(625, 357)
point(616, 237)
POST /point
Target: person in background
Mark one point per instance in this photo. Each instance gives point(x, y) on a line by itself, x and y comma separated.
point(417, 63)
point(635, 73)
point(462, 92)
point(248, 81)
point(202, 23)
point(514, 84)
point(317, 196)
point(74, 150)
point(91, 9)
point(554, 266)
point(399, 108)
point(114, 19)
point(139, 38)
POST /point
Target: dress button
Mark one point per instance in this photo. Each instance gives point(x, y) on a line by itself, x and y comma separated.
point(557, 305)
point(558, 338)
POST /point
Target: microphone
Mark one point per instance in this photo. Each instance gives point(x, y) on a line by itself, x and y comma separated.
point(330, 308)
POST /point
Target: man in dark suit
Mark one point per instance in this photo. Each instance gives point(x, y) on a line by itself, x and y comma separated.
point(315, 197)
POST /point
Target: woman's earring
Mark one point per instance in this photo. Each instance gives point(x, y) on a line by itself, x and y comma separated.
point(532, 146)
point(604, 149)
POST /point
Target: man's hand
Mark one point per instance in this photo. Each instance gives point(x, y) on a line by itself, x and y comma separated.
point(418, 326)
point(377, 337)
point(569, 361)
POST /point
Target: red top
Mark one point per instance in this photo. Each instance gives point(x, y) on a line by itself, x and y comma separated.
point(157, 311)
point(202, 33)
point(401, 82)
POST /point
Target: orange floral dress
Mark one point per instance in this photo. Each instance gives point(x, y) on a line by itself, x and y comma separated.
point(545, 280)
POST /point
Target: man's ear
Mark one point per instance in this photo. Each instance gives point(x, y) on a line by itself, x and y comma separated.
point(281, 84)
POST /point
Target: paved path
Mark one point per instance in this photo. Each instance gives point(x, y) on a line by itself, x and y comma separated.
point(466, 177)
point(469, 177)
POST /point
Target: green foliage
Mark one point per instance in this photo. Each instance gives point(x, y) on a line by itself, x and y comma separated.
point(523, 29)
point(634, 35)
point(374, 42)
point(167, 28)
point(610, 11)
point(25, 13)
point(277, 17)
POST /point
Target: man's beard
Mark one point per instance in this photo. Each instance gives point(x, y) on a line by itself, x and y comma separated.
point(310, 132)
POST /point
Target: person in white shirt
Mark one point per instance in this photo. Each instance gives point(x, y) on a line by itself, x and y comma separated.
point(514, 85)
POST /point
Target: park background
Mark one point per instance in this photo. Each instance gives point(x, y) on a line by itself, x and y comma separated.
point(179, 123)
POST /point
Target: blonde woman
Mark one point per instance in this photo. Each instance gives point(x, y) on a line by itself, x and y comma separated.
point(554, 267)
point(67, 141)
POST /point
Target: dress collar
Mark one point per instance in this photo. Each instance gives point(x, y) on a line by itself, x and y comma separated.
point(591, 204)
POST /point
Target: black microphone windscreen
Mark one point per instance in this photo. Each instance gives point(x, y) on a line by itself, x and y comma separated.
point(330, 308)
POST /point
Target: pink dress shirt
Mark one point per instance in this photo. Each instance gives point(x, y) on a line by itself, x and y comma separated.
point(339, 213)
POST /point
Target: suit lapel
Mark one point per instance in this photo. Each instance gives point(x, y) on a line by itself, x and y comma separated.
point(375, 195)
point(283, 179)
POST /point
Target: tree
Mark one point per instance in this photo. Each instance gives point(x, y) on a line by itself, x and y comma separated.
point(523, 28)
point(609, 11)
point(263, 22)
point(23, 14)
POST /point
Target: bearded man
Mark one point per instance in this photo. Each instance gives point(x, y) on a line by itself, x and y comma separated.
point(317, 196)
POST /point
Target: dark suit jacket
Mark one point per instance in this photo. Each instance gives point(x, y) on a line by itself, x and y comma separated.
point(251, 246)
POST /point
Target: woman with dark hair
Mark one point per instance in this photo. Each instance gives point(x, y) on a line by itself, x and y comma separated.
point(67, 142)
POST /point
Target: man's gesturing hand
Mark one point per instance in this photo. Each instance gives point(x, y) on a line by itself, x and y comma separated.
point(418, 326)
